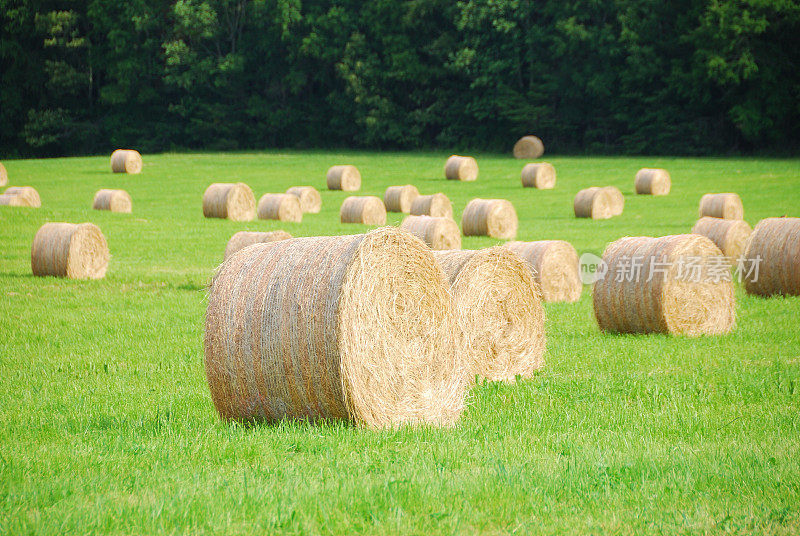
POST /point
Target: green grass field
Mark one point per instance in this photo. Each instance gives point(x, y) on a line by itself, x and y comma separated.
point(107, 426)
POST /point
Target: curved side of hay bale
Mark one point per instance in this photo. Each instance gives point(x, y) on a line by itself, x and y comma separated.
point(126, 161)
point(281, 207)
point(663, 295)
point(437, 233)
point(242, 239)
point(594, 202)
point(652, 181)
point(11, 200)
point(540, 175)
point(75, 251)
point(490, 217)
point(367, 209)
point(529, 148)
point(310, 200)
point(727, 206)
point(113, 200)
point(358, 328)
point(3, 175)
point(28, 195)
point(729, 236)
point(772, 258)
point(346, 178)
point(400, 198)
point(461, 168)
point(233, 201)
point(555, 267)
point(436, 205)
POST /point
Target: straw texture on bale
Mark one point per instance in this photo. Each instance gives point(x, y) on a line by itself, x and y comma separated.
point(113, 200)
point(727, 206)
point(729, 236)
point(776, 242)
point(617, 200)
point(355, 328)
point(367, 209)
point(10, 200)
point(500, 315)
point(310, 200)
point(436, 205)
point(651, 181)
point(598, 203)
point(281, 207)
point(28, 196)
point(490, 217)
point(3, 175)
point(461, 168)
point(242, 239)
point(437, 233)
point(346, 178)
point(72, 250)
point(233, 201)
point(555, 267)
point(663, 295)
point(529, 148)
point(126, 161)
point(400, 198)
point(541, 176)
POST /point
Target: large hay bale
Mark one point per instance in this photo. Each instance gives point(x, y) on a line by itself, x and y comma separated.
point(438, 233)
point(436, 205)
point(727, 206)
point(500, 314)
point(400, 198)
point(529, 148)
point(3, 175)
point(598, 203)
point(126, 161)
point(233, 201)
point(75, 251)
point(652, 181)
point(346, 178)
point(729, 236)
point(242, 239)
point(461, 168)
point(113, 200)
point(649, 287)
point(281, 207)
point(367, 209)
point(357, 328)
point(310, 200)
point(28, 196)
point(490, 217)
point(772, 258)
point(540, 175)
point(555, 267)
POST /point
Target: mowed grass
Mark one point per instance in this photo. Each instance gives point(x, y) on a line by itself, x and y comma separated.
point(106, 423)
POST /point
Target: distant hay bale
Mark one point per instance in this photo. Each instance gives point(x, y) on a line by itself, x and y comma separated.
point(437, 233)
point(28, 196)
point(310, 200)
point(729, 236)
point(617, 200)
point(727, 206)
point(500, 314)
point(74, 251)
point(400, 198)
point(233, 201)
point(772, 258)
point(346, 178)
point(113, 200)
point(555, 267)
point(242, 239)
point(461, 168)
point(356, 328)
point(436, 205)
point(281, 207)
point(3, 175)
point(663, 295)
point(490, 217)
point(367, 209)
point(541, 175)
point(651, 181)
point(598, 203)
point(126, 161)
point(528, 148)
point(10, 200)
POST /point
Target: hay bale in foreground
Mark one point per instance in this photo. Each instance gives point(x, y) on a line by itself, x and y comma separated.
point(437, 233)
point(75, 251)
point(598, 203)
point(233, 201)
point(500, 314)
point(126, 161)
point(373, 343)
point(652, 181)
point(113, 200)
point(540, 175)
point(3, 175)
point(663, 295)
point(727, 206)
point(310, 200)
point(242, 239)
point(367, 209)
point(490, 217)
point(281, 207)
point(555, 267)
point(28, 196)
point(346, 178)
point(436, 205)
point(776, 241)
point(529, 148)
point(461, 168)
point(400, 198)
point(729, 236)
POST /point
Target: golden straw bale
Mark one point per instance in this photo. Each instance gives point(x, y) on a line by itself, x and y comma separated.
point(400, 198)
point(10, 200)
point(729, 236)
point(367, 209)
point(126, 161)
point(346, 178)
point(242, 239)
point(490, 217)
point(234, 201)
point(598, 203)
point(772, 258)
point(438, 233)
point(650, 181)
point(3, 175)
point(555, 267)
point(436, 205)
point(113, 200)
point(617, 200)
point(540, 175)
point(28, 196)
point(528, 148)
point(461, 168)
point(310, 200)
point(75, 251)
point(282, 207)
point(727, 206)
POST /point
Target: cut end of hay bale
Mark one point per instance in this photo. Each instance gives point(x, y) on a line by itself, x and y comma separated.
point(540, 175)
point(772, 258)
point(555, 267)
point(26, 196)
point(310, 200)
point(490, 217)
point(529, 148)
point(437, 233)
point(652, 181)
point(598, 203)
point(436, 205)
point(3, 175)
point(400, 198)
point(242, 239)
point(727, 206)
point(461, 168)
point(368, 210)
point(346, 178)
point(281, 207)
point(232, 201)
point(74, 251)
point(126, 161)
point(113, 200)
point(729, 236)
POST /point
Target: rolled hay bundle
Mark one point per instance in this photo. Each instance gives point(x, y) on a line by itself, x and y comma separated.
point(28, 196)
point(281, 207)
point(529, 148)
point(437, 233)
point(499, 311)
point(461, 168)
point(346, 178)
point(367, 209)
point(597, 203)
point(727, 206)
point(113, 200)
point(71, 250)
point(490, 217)
point(436, 205)
point(652, 181)
point(3, 175)
point(555, 267)
point(729, 236)
point(541, 175)
point(310, 200)
point(242, 239)
point(10, 200)
point(772, 258)
point(374, 343)
point(233, 201)
point(126, 161)
point(649, 287)
point(400, 198)
point(617, 200)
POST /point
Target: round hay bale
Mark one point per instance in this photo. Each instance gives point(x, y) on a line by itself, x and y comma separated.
point(617, 200)
point(729, 236)
point(437, 233)
point(281, 207)
point(3, 175)
point(357, 328)
point(555, 267)
point(500, 315)
point(650, 181)
point(776, 242)
point(28, 196)
point(242, 239)
point(541, 175)
point(367, 209)
point(461, 168)
point(400, 198)
point(528, 148)
point(346, 178)
point(75, 251)
point(490, 217)
point(436, 205)
point(126, 161)
point(233, 201)
point(310, 200)
point(663, 295)
point(727, 206)
point(113, 200)
point(10, 200)
point(596, 203)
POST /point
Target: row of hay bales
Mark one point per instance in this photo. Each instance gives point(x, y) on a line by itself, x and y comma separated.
point(235, 201)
